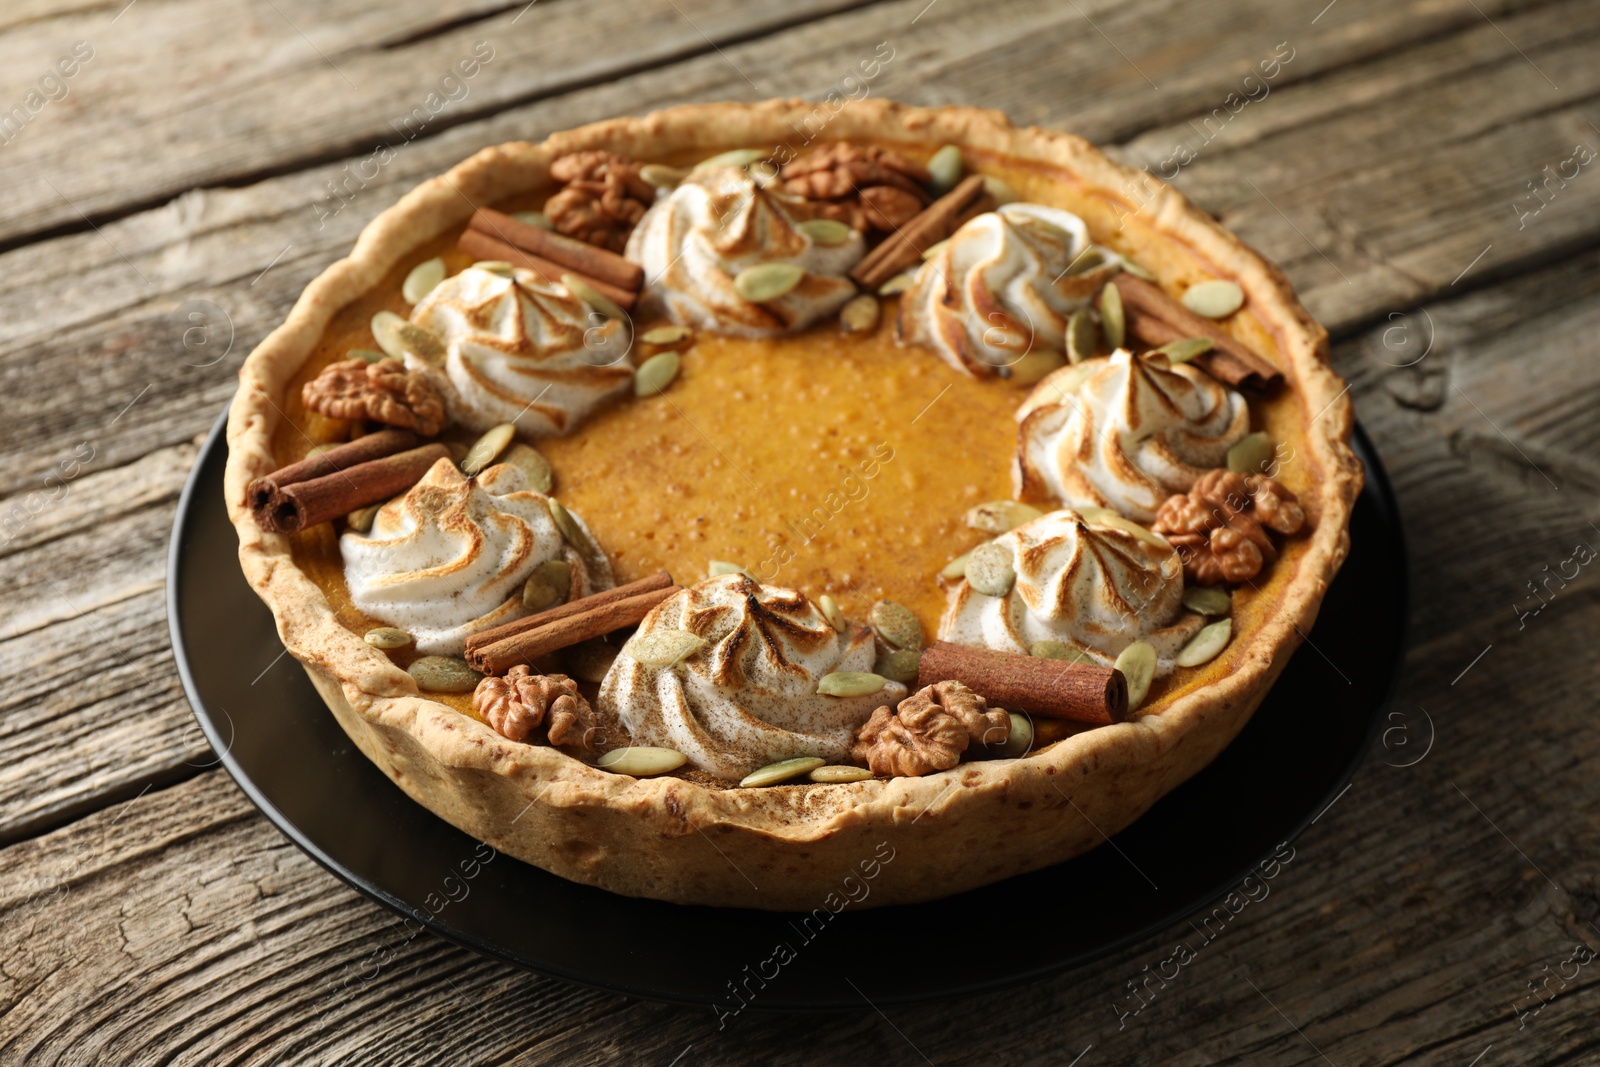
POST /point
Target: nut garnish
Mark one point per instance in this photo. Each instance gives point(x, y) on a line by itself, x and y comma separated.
point(831, 611)
point(998, 516)
point(661, 176)
point(850, 684)
point(641, 761)
point(767, 281)
point(383, 392)
point(656, 373)
point(945, 168)
point(444, 674)
point(1214, 299)
point(1252, 452)
point(588, 294)
point(521, 702)
point(860, 314)
point(826, 231)
point(901, 665)
point(1113, 322)
point(665, 336)
point(1018, 739)
point(1204, 600)
point(573, 533)
point(422, 279)
point(1185, 348)
point(486, 449)
point(665, 648)
point(863, 186)
point(549, 584)
point(399, 337)
point(387, 638)
point(604, 198)
point(716, 568)
point(1058, 650)
point(360, 520)
point(1205, 645)
point(1032, 367)
point(1137, 663)
point(839, 772)
point(782, 771)
point(956, 569)
point(895, 625)
point(989, 570)
point(929, 731)
point(534, 218)
point(1219, 527)
point(533, 464)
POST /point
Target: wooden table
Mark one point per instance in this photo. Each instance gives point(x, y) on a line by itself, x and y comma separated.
point(1424, 171)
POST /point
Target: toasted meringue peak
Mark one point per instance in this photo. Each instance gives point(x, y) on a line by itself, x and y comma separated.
point(522, 350)
point(1091, 580)
point(1002, 285)
point(749, 698)
point(449, 558)
point(718, 222)
point(1126, 434)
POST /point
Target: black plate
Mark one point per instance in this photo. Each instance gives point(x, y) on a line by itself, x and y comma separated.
point(287, 753)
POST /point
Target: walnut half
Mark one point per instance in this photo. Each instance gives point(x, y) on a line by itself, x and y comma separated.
point(1219, 527)
point(383, 391)
point(603, 198)
point(864, 186)
point(929, 732)
point(519, 703)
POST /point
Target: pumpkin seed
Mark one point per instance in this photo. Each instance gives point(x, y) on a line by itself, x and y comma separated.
point(860, 314)
point(767, 281)
point(665, 648)
point(989, 570)
point(1086, 261)
point(386, 331)
point(850, 684)
point(588, 661)
point(574, 534)
point(422, 280)
point(1204, 600)
point(486, 449)
point(641, 761)
point(896, 624)
point(1106, 517)
point(1082, 336)
point(945, 168)
point(444, 674)
point(1137, 663)
point(549, 584)
point(368, 354)
point(666, 335)
point(826, 231)
point(1137, 271)
point(534, 218)
point(1032, 367)
point(661, 176)
point(1252, 454)
point(718, 567)
point(738, 157)
point(837, 773)
point(387, 637)
point(1019, 738)
point(495, 266)
point(782, 771)
point(1214, 299)
point(1058, 650)
point(588, 294)
point(998, 191)
point(1206, 644)
point(902, 665)
point(1185, 348)
point(831, 611)
point(533, 464)
point(956, 568)
point(935, 248)
point(656, 373)
point(360, 520)
point(397, 337)
point(424, 344)
point(998, 516)
point(898, 284)
point(1113, 323)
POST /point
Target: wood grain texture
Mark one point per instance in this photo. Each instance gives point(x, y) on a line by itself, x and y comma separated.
point(147, 914)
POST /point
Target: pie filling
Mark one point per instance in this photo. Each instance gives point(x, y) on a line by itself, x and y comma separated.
point(865, 465)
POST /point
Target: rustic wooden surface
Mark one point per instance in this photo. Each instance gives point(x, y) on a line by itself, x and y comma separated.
point(1444, 910)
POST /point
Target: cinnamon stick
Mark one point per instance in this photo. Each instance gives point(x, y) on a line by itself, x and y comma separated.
point(647, 584)
point(595, 620)
point(481, 245)
point(1082, 692)
point(1151, 313)
point(296, 506)
point(578, 256)
point(368, 447)
point(905, 246)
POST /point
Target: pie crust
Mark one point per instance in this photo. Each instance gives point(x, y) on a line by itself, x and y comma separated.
point(788, 847)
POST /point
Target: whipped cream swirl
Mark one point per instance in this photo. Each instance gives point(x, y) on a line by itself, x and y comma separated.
point(1004, 284)
point(1091, 580)
point(449, 558)
point(519, 349)
point(749, 698)
point(718, 222)
point(1125, 433)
